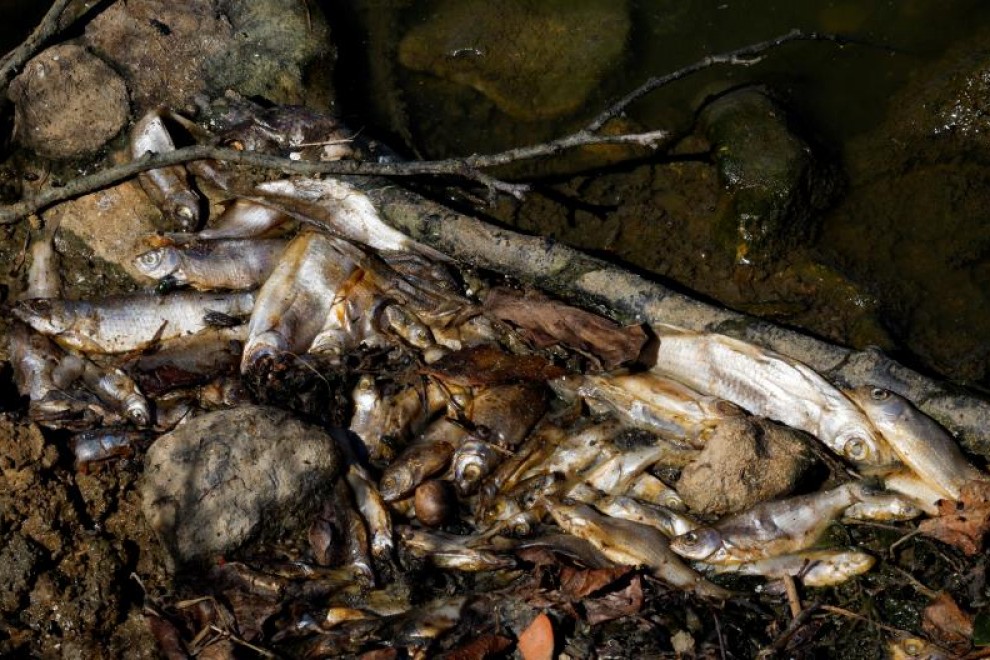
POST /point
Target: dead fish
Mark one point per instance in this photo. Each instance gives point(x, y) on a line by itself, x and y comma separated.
point(385, 423)
point(772, 385)
point(356, 546)
point(659, 404)
point(768, 529)
point(616, 474)
point(908, 647)
point(671, 523)
point(650, 489)
point(540, 444)
point(472, 461)
point(815, 568)
point(111, 385)
point(295, 301)
point(632, 544)
point(168, 187)
point(120, 324)
point(373, 509)
point(92, 447)
point(232, 264)
point(920, 492)
point(579, 449)
point(406, 325)
point(918, 440)
point(188, 361)
point(450, 551)
point(340, 208)
point(241, 218)
point(571, 546)
point(883, 506)
point(427, 457)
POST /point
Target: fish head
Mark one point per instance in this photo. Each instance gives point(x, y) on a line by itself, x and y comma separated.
point(43, 315)
point(879, 404)
point(907, 647)
point(158, 263)
point(698, 544)
point(862, 446)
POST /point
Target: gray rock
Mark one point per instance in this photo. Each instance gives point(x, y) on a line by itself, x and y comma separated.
point(68, 103)
point(775, 182)
point(746, 461)
point(18, 557)
point(227, 477)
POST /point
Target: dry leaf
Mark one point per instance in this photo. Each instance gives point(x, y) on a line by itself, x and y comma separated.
point(948, 624)
point(380, 654)
point(964, 523)
point(580, 583)
point(616, 604)
point(537, 642)
point(545, 322)
point(487, 365)
point(480, 648)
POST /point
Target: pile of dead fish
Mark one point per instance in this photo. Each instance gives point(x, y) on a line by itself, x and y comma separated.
point(483, 420)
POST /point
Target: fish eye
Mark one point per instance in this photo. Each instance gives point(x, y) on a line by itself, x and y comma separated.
point(150, 259)
point(913, 646)
point(856, 448)
point(879, 394)
point(691, 538)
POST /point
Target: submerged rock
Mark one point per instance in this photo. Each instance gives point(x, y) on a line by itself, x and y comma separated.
point(68, 103)
point(746, 461)
point(532, 60)
point(230, 476)
point(776, 184)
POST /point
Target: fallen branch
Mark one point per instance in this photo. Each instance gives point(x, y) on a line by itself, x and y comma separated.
point(601, 286)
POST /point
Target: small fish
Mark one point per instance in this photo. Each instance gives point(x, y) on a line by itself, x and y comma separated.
point(769, 384)
point(126, 323)
point(671, 523)
point(614, 475)
point(768, 529)
point(111, 385)
point(168, 187)
point(187, 361)
point(919, 441)
point(428, 456)
point(340, 208)
point(659, 404)
point(232, 264)
point(923, 494)
point(356, 544)
point(294, 303)
point(242, 218)
point(650, 489)
point(883, 506)
point(815, 568)
point(631, 544)
point(450, 551)
point(386, 423)
point(473, 460)
point(92, 447)
point(907, 647)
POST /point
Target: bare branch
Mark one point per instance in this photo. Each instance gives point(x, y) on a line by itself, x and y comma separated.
point(468, 167)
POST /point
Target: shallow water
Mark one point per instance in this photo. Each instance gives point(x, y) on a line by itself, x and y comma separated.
point(901, 258)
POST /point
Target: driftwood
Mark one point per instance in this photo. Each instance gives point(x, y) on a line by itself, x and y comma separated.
point(629, 298)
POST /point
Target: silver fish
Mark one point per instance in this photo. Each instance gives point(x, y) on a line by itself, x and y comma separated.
point(671, 523)
point(341, 208)
point(650, 489)
point(242, 218)
point(168, 187)
point(428, 456)
point(654, 402)
point(296, 300)
point(473, 460)
point(234, 264)
point(121, 324)
point(885, 505)
point(919, 492)
point(450, 551)
point(768, 529)
point(92, 447)
point(631, 544)
point(114, 387)
point(919, 441)
point(772, 385)
point(815, 568)
point(385, 423)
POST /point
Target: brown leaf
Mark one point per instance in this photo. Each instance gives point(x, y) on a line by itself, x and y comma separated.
point(948, 624)
point(965, 523)
point(480, 648)
point(487, 365)
point(537, 641)
point(616, 604)
point(547, 322)
point(380, 654)
point(578, 583)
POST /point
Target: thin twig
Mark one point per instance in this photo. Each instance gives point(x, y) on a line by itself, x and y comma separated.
point(796, 623)
point(13, 61)
point(468, 167)
point(793, 599)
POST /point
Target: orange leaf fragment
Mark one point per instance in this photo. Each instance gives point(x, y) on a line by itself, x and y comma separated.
point(965, 523)
point(537, 642)
point(948, 624)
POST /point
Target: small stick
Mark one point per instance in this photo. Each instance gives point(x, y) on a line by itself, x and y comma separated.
point(793, 599)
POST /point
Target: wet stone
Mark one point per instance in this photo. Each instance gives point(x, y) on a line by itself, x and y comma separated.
point(532, 60)
point(746, 461)
point(231, 476)
point(775, 182)
point(68, 103)
point(18, 557)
